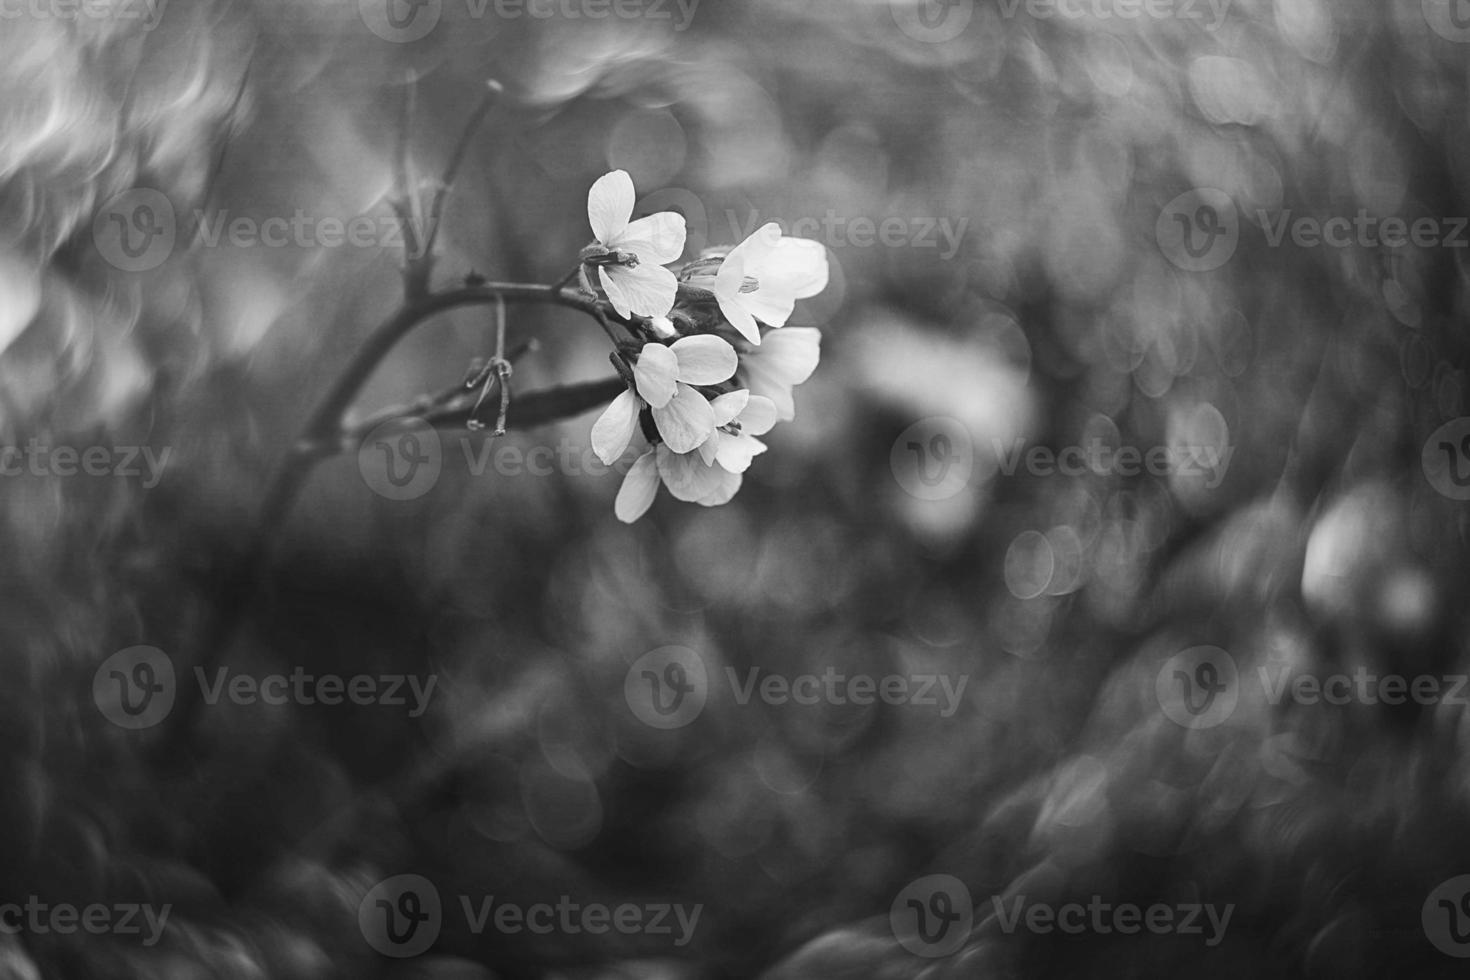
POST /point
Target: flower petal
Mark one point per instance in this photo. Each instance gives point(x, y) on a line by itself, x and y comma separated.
point(729, 485)
point(647, 290)
point(614, 428)
point(687, 476)
point(705, 359)
point(615, 294)
point(787, 359)
point(777, 393)
point(796, 269)
point(784, 281)
point(655, 372)
point(639, 488)
point(738, 315)
point(792, 354)
point(750, 257)
point(729, 406)
point(769, 307)
point(735, 453)
point(686, 421)
point(799, 266)
point(657, 239)
point(759, 416)
point(710, 448)
point(610, 205)
point(728, 275)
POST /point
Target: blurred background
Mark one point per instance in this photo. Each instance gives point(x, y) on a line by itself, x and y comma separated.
point(1048, 226)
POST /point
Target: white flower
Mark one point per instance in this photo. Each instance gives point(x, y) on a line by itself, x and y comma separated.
point(687, 476)
point(710, 475)
point(787, 359)
point(739, 418)
point(763, 277)
point(663, 376)
point(643, 286)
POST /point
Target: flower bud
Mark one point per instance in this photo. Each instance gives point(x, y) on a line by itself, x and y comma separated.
point(705, 266)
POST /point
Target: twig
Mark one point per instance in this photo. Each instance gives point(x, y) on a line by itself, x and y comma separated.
point(353, 435)
point(569, 278)
point(599, 314)
point(493, 91)
point(496, 373)
point(405, 200)
point(502, 366)
point(325, 421)
point(537, 407)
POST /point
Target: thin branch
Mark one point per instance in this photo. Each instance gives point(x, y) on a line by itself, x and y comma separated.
point(492, 93)
point(324, 422)
point(405, 200)
point(537, 407)
point(600, 315)
point(501, 367)
point(405, 125)
point(353, 435)
point(569, 278)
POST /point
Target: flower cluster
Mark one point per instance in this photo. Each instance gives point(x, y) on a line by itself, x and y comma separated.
point(710, 368)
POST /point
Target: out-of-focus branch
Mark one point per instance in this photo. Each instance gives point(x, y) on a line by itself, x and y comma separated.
point(405, 200)
point(322, 436)
point(424, 262)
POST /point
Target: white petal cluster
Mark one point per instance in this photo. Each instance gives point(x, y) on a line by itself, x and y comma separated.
point(706, 437)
